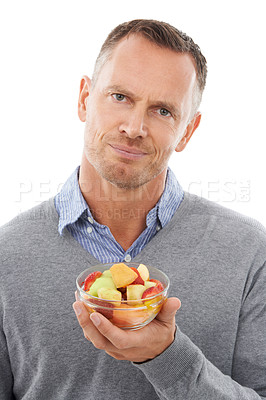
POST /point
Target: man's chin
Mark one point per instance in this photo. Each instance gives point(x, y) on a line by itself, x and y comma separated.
point(126, 183)
point(126, 179)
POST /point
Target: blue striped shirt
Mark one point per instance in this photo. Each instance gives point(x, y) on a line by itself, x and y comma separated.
point(97, 239)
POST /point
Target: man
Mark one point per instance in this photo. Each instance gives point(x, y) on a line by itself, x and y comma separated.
point(123, 203)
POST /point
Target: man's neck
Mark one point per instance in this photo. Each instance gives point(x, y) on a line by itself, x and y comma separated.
point(123, 211)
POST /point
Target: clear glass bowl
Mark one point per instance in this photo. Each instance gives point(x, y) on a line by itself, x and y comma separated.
point(130, 314)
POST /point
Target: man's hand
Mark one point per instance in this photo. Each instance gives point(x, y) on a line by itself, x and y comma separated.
point(137, 346)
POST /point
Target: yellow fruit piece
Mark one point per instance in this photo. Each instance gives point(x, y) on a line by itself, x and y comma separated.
point(110, 294)
point(154, 303)
point(144, 272)
point(122, 275)
point(135, 292)
point(149, 284)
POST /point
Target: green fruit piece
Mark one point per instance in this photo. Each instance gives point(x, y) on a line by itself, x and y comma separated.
point(107, 273)
point(101, 282)
point(110, 294)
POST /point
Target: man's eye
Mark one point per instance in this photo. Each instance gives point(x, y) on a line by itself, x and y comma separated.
point(164, 112)
point(118, 96)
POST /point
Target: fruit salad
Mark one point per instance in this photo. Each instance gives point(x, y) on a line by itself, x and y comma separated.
point(121, 282)
point(125, 294)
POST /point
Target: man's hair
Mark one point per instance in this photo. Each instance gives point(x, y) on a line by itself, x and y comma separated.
point(162, 34)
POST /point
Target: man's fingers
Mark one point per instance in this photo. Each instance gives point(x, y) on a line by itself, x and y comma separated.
point(116, 336)
point(83, 317)
point(169, 309)
point(89, 330)
point(81, 313)
point(122, 344)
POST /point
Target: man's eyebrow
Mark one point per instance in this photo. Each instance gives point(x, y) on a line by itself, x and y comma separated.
point(119, 89)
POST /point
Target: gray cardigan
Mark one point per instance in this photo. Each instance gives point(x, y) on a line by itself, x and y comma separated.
point(215, 259)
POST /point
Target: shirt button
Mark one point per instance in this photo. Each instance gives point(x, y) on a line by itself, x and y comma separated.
point(89, 229)
point(90, 220)
point(158, 228)
point(128, 258)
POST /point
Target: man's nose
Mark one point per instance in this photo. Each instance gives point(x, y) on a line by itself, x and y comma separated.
point(134, 124)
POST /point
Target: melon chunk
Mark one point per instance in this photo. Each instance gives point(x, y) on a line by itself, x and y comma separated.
point(122, 275)
point(110, 294)
point(101, 282)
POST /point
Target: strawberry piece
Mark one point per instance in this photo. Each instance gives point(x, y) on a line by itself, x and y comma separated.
point(151, 291)
point(91, 278)
point(154, 290)
point(158, 283)
point(138, 280)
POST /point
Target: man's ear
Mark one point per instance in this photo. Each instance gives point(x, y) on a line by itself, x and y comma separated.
point(192, 126)
point(84, 91)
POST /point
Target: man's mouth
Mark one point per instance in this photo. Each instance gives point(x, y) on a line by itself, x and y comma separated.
point(128, 152)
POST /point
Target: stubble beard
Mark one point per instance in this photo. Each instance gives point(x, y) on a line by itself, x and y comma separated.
point(121, 174)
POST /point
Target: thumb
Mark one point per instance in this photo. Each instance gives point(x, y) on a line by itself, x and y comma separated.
point(169, 309)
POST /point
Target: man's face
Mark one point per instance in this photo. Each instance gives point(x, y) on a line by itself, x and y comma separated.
point(138, 111)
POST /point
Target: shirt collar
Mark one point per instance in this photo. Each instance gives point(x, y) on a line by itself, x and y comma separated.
point(169, 201)
point(72, 205)
point(70, 202)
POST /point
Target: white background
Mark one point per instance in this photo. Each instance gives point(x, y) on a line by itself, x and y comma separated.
point(46, 47)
